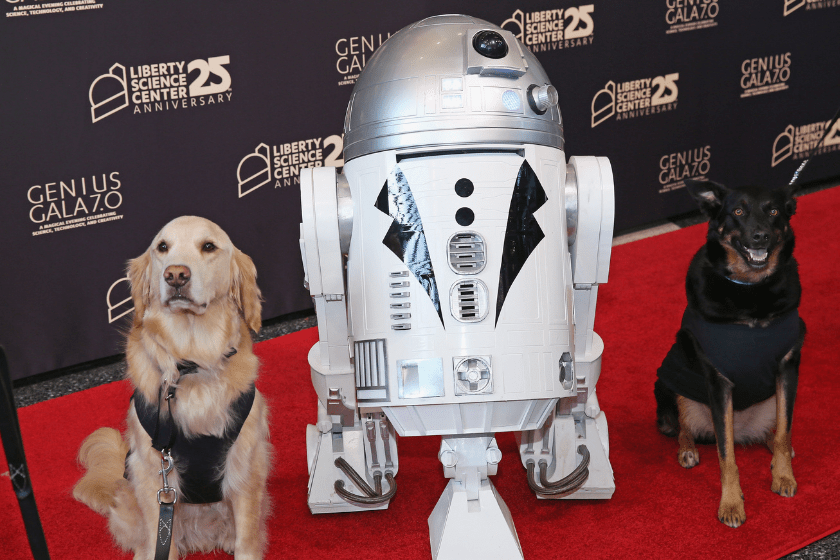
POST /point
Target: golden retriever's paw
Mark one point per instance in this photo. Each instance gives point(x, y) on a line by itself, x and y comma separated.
point(688, 458)
point(732, 514)
point(784, 486)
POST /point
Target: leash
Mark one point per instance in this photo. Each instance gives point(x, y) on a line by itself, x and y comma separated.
point(166, 517)
point(811, 152)
point(167, 510)
point(16, 459)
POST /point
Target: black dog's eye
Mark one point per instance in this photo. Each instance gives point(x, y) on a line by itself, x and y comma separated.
point(738, 212)
point(208, 247)
point(162, 247)
point(774, 212)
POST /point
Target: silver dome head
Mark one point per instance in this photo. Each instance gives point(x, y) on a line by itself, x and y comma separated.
point(447, 81)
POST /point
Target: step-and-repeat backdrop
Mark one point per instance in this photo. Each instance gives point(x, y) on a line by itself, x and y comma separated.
point(119, 115)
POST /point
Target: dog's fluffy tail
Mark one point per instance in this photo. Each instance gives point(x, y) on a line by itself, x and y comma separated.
point(103, 456)
point(103, 488)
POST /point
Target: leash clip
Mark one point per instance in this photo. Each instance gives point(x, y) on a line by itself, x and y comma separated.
point(166, 466)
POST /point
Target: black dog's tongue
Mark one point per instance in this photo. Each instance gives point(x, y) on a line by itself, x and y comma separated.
point(757, 255)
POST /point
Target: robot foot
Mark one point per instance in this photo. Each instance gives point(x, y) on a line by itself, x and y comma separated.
point(374, 496)
point(592, 434)
point(569, 458)
point(335, 461)
point(569, 484)
point(472, 529)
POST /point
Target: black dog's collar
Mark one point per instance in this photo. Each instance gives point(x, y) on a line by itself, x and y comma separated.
point(734, 282)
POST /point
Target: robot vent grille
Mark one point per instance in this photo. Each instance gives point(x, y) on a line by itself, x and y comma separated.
point(371, 378)
point(466, 253)
point(469, 301)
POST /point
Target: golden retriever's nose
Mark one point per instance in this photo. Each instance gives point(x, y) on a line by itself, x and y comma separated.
point(176, 275)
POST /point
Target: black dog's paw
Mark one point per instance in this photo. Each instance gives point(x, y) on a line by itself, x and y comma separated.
point(784, 486)
point(688, 458)
point(732, 514)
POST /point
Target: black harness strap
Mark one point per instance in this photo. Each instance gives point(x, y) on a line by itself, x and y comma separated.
point(164, 440)
point(203, 455)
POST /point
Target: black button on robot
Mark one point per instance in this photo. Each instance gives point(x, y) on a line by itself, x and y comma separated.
point(464, 216)
point(464, 188)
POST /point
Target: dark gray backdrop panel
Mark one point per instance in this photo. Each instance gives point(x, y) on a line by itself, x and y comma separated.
point(289, 68)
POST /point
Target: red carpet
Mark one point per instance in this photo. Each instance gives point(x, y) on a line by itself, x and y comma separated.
point(659, 510)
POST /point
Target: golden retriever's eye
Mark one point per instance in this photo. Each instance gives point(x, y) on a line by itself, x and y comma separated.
point(208, 247)
point(162, 247)
point(738, 212)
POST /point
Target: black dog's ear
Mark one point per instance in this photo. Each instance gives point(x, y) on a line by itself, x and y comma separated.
point(786, 192)
point(708, 194)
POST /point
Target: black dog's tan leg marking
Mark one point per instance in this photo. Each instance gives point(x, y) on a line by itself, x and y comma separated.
point(770, 442)
point(787, 379)
point(784, 484)
point(688, 455)
point(731, 510)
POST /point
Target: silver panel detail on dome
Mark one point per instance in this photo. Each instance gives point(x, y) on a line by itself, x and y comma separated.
point(429, 85)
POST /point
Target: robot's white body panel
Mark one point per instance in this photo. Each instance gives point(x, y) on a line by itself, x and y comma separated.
point(454, 267)
point(522, 341)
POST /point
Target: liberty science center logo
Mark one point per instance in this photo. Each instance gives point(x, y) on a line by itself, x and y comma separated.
point(635, 98)
point(282, 163)
point(161, 86)
point(799, 142)
point(555, 29)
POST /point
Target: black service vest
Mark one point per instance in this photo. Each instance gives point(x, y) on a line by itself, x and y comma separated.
point(747, 356)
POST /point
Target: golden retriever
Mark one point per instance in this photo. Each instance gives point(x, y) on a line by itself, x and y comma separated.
point(195, 297)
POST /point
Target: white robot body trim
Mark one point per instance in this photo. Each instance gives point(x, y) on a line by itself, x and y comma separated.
point(454, 268)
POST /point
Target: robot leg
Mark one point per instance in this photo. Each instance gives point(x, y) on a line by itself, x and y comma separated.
point(347, 463)
point(470, 519)
point(348, 455)
point(569, 456)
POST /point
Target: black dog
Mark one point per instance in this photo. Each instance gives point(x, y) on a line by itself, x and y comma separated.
point(732, 374)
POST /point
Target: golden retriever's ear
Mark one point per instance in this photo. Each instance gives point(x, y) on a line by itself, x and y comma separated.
point(244, 289)
point(140, 276)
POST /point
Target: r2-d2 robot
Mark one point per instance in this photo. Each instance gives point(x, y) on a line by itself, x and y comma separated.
point(455, 267)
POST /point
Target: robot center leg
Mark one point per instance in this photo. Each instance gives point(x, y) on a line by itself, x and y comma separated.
point(470, 519)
